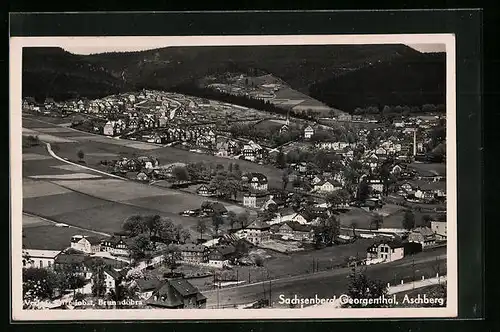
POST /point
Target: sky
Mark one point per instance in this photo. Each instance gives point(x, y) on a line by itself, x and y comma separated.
point(425, 48)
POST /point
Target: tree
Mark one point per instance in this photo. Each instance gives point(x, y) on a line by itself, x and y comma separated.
point(362, 288)
point(377, 220)
point(281, 159)
point(70, 278)
point(134, 225)
point(181, 235)
point(363, 190)
point(170, 258)
point(80, 154)
point(38, 285)
point(217, 221)
point(154, 223)
point(285, 179)
point(243, 219)
point(426, 220)
point(97, 267)
point(409, 220)
point(201, 227)
point(166, 230)
point(331, 229)
point(134, 274)
point(272, 208)
point(140, 247)
point(232, 218)
point(180, 173)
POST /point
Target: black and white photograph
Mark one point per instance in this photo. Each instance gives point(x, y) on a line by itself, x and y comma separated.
point(235, 177)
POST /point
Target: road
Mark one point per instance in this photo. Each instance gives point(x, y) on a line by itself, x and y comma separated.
point(329, 283)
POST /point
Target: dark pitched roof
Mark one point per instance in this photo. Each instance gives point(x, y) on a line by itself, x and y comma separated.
point(65, 258)
point(260, 177)
point(184, 287)
point(148, 283)
point(93, 239)
point(113, 273)
point(191, 247)
point(167, 297)
point(226, 249)
point(259, 224)
point(298, 227)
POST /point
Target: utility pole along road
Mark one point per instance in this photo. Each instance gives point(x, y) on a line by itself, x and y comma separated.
point(326, 284)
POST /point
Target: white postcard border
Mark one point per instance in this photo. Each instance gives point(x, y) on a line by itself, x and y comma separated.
point(143, 42)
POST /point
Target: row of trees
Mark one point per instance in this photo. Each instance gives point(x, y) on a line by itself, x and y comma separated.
point(404, 110)
point(193, 89)
point(217, 221)
point(146, 231)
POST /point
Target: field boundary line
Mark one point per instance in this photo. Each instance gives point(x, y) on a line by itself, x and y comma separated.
point(70, 225)
point(49, 149)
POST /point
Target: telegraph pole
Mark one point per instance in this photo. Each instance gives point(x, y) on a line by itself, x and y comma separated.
point(413, 268)
point(218, 287)
point(270, 297)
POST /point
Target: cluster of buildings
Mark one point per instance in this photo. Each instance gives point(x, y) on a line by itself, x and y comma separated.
point(418, 239)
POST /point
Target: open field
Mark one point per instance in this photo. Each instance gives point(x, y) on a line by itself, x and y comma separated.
point(33, 221)
point(50, 237)
point(32, 189)
point(95, 148)
point(49, 206)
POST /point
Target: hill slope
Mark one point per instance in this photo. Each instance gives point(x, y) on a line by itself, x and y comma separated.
point(53, 72)
point(334, 74)
point(412, 81)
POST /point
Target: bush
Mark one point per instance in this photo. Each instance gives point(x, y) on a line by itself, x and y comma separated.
point(259, 261)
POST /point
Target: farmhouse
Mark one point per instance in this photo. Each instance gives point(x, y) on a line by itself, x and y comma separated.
point(115, 245)
point(423, 235)
point(273, 200)
point(257, 181)
point(211, 208)
point(177, 294)
point(112, 278)
point(296, 230)
point(327, 186)
point(256, 233)
point(387, 251)
point(308, 132)
point(39, 258)
point(439, 228)
point(146, 286)
point(192, 253)
point(293, 217)
point(221, 255)
point(86, 244)
point(206, 191)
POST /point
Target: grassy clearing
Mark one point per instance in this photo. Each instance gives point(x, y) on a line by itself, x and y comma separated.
point(50, 237)
point(61, 203)
point(33, 221)
point(33, 189)
point(324, 259)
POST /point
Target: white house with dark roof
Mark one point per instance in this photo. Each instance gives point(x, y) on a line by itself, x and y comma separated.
point(385, 251)
point(308, 132)
point(327, 186)
point(256, 233)
point(193, 253)
point(39, 258)
point(257, 181)
point(86, 244)
point(423, 235)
